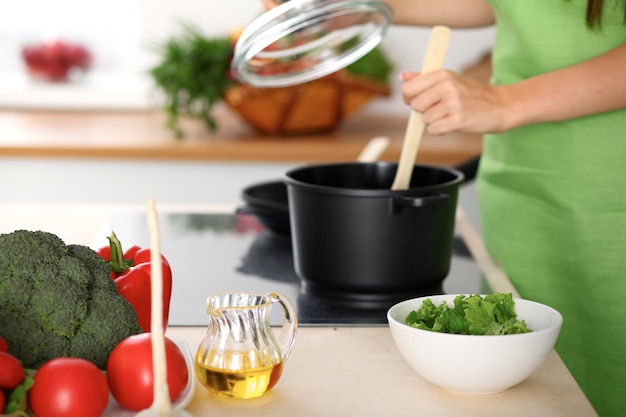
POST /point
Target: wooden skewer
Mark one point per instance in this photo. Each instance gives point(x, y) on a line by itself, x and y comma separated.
point(161, 392)
point(161, 403)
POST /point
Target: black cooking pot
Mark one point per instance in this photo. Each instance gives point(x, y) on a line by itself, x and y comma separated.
point(268, 202)
point(355, 238)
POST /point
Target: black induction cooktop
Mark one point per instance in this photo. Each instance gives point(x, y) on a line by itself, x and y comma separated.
point(223, 251)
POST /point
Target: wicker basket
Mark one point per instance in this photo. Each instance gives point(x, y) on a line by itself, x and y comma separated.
point(316, 106)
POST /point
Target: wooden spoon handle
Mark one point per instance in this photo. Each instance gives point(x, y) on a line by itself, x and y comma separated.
point(374, 148)
point(435, 55)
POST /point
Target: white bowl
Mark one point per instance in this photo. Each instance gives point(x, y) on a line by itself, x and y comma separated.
point(471, 364)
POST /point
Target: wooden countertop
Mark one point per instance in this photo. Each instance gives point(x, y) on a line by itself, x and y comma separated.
point(358, 371)
point(142, 135)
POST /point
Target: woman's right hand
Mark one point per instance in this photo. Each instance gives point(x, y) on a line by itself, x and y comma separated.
point(451, 102)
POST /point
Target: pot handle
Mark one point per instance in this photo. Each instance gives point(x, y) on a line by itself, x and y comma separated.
point(426, 201)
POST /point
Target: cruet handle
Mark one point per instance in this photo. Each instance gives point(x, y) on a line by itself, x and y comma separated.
point(287, 335)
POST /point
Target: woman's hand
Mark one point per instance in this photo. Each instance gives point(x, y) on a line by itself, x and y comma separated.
point(452, 102)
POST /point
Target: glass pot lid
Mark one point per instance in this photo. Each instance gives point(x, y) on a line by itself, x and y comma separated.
point(302, 40)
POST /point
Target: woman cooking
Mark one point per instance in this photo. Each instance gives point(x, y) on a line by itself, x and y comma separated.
point(552, 177)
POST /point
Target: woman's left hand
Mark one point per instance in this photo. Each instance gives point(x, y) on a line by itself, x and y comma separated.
point(451, 102)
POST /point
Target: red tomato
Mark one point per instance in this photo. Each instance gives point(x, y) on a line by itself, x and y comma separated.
point(69, 387)
point(11, 371)
point(130, 373)
point(4, 346)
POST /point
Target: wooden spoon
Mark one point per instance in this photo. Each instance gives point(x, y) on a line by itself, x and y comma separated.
point(374, 148)
point(435, 54)
point(161, 404)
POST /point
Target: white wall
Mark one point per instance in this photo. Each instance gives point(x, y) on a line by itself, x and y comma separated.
point(119, 78)
point(59, 180)
point(86, 181)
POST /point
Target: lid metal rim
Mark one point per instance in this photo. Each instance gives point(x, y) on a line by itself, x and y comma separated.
point(263, 36)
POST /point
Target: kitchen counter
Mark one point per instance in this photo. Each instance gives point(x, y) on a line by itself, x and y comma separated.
point(142, 135)
point(332, 371)
point(357, 371)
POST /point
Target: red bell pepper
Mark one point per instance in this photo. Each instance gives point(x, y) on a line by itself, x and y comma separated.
point(132, 273)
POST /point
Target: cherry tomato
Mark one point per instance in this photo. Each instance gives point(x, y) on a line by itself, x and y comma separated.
point(4, 346)
point(3, 401)
point(130, 373)
point(11, 371)
point(69, 387)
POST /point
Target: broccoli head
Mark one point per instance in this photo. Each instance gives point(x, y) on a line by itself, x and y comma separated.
point(59, 300)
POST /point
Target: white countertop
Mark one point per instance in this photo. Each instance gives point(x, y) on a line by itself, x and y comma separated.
point(357, 371)
point(332, 371)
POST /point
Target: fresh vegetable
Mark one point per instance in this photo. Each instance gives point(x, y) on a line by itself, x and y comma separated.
point(4, 346)
point(130, 372)
point(132, 272)
point(194, 74)
point(69, 387)
point(11, 371)
point(493, 314)
point(374, 65)
point(15, 381)
point(54, 60)
point(17, 398)
point(59, 300)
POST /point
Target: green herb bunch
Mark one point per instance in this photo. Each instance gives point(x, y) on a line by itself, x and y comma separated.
point(193, 74)
point(373, 65)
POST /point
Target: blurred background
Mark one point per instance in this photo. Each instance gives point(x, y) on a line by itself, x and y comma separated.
point(121, 36)
point(59, 139)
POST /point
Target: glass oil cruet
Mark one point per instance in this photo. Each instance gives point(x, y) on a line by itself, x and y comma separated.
point(240, 355)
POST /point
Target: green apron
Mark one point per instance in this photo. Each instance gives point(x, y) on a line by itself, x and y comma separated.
point(553, 196)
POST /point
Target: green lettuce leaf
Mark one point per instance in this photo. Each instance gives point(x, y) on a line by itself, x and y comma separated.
point(493, 314)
